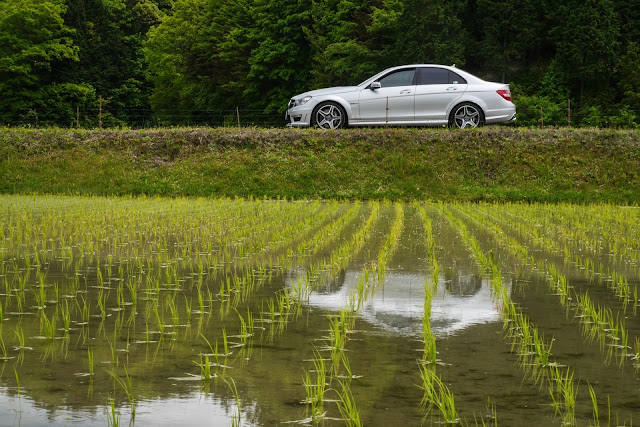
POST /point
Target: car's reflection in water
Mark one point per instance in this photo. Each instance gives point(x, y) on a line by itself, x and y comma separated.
point(462, 300)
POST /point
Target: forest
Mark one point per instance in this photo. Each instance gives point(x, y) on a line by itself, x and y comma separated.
point(146, 63)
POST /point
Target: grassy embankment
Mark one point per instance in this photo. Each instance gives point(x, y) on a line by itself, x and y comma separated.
point(438, 164)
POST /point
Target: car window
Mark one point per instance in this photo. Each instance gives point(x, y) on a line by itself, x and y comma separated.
point(438, 76)
point(398, 78)
point(433, 76)
point(456, 79)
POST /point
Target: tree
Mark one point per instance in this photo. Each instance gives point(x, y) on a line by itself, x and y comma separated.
point(280, 64)
point(430, 33)
point(171, 51)
point(629, 77)
point(341, 44)
point(587, 43)
point(33, 37)
point(509, 31)
point(110, 34)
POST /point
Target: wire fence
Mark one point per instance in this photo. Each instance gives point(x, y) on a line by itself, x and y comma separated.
point(547, 115)
point(564, 115)
point(142, 118)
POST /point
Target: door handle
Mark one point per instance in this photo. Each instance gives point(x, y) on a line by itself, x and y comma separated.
point(405, 91)
point(452, 88)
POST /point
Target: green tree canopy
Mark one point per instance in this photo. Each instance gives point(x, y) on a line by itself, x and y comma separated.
point(33, 38)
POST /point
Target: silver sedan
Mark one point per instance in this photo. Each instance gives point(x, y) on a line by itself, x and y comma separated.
point(410, 95)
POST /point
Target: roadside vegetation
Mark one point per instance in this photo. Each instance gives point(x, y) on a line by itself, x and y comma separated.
point(492, 164)
point(148, 63)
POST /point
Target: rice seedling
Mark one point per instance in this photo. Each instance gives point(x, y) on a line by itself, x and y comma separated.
point(338, 340)
point(160, 321)
point(66, 315)
point(492, 415)
point(132, 285)
point(594, 402)
point(3, 348)
point(20, 298)
point(91, 362)
point(56, 292)
point(205, 368)
point(563, 395)
point(437, 395)
point(120, 296)
point(236, 418)
point(224, 342)
point(127, 385)
point(15, 371)
point(430, 355)
point(175, 317)
point(187, 308)
point(347, 405)
point(200, 300)
point(48, 327)
point(113, 417)
point(19, 334)
point(41, 295)
point(84, 311)
point(315, 390)
point(102, 303)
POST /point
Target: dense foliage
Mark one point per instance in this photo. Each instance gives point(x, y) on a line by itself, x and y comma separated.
point(145, 62)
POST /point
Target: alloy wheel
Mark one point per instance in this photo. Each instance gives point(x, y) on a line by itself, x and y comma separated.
point(329, 116)
point(467, 116)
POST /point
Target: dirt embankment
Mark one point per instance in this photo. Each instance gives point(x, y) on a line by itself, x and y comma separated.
point(493, 163)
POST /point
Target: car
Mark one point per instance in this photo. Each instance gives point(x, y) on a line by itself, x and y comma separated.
point(409, 95)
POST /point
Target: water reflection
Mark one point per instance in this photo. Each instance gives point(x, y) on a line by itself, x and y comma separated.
point(462, 300)
point(191, 409)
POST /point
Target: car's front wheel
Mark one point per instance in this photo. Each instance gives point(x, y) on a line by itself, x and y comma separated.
point(330, 115)
point(466, 115)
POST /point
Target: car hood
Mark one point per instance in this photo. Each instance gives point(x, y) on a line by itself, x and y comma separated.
point(328, 91)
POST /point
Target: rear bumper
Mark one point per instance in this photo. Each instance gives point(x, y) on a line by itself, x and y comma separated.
point(501, 116)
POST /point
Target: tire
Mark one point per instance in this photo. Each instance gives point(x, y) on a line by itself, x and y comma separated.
point(329, 115)
point(466, 115)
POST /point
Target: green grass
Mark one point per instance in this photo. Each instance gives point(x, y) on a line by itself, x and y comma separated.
point(493, 163)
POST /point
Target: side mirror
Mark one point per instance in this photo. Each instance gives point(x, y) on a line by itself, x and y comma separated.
point(375, 85)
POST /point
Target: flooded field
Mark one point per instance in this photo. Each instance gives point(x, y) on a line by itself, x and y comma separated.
point(152, 311)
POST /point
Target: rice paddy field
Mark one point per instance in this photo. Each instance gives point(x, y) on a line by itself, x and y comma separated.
point(165, 311)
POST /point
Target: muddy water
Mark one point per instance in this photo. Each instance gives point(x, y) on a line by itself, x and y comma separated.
point(45, 379)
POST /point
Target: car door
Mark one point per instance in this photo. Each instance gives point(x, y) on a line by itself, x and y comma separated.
point(393, 101)
point(436, 90)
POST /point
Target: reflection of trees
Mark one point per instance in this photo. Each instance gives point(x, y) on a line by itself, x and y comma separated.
point(328, 283)
point(458, 283)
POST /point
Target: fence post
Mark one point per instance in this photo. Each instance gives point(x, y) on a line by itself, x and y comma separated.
point(569, 112)
point(100, 114)
point(238, 115)
point(541, 117)
point(386, 117)
point(77, 117)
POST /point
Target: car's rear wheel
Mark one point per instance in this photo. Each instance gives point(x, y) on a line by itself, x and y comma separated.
point(466, 115)
point(330, 115)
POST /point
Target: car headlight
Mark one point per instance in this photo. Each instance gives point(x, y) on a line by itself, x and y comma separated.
point(303, 101)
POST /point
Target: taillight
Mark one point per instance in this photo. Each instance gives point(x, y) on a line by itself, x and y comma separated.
point(505, 93)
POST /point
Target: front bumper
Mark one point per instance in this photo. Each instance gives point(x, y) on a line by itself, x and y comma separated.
point(298, 116)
